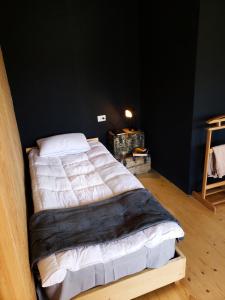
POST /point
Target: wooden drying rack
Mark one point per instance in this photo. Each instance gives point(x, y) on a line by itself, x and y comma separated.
point(211, 194)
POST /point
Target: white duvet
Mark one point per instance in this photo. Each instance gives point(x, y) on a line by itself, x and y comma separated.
point(77, 179)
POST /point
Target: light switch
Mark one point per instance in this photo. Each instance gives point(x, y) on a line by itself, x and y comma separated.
point(101, 118)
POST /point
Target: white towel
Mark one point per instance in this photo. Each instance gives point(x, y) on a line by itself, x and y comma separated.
point(216, 167)
point(211, 166)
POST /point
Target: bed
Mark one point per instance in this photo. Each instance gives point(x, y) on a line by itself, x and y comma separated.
point(81, 179)
point(15, 271)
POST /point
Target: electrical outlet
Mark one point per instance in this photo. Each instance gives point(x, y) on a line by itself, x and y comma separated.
point(101, 118)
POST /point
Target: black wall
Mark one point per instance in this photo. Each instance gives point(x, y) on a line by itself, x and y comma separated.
point(209, 97)
point(183, 84)
point(69, 61)
point(168, 73)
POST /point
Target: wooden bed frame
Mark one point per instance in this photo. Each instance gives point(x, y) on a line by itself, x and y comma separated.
point(16, 277)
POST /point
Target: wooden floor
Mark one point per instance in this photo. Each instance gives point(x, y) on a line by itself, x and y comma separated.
point(204, 244)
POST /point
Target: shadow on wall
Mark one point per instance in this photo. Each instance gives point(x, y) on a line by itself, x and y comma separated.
point(209, 99)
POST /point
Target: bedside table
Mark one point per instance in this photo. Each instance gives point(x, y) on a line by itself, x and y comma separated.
point(137, 165)
point(122, 142)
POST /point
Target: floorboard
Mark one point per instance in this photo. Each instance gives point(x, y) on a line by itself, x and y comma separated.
point(204, 244)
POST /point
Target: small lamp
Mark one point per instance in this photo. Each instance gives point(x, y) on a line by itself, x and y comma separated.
point(129, 114)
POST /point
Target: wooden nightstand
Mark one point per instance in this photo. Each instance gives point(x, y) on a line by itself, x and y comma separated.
point(137, 165)
point(121, 144)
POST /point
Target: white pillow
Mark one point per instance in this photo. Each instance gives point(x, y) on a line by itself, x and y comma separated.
point(63, 144)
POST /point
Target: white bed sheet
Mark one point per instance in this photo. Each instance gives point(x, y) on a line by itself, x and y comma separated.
point(77, 179)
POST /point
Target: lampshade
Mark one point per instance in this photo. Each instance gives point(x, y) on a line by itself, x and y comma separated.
point(128, 113)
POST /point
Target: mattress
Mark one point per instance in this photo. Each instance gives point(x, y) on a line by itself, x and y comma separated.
point(78, 179)
point(100, 274)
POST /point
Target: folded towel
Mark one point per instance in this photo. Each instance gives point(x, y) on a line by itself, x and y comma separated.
point(216, 166)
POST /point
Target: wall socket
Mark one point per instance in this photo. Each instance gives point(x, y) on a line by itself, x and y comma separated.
point(101, 118)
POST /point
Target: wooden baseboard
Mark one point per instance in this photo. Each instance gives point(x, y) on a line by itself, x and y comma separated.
point(141, 283)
